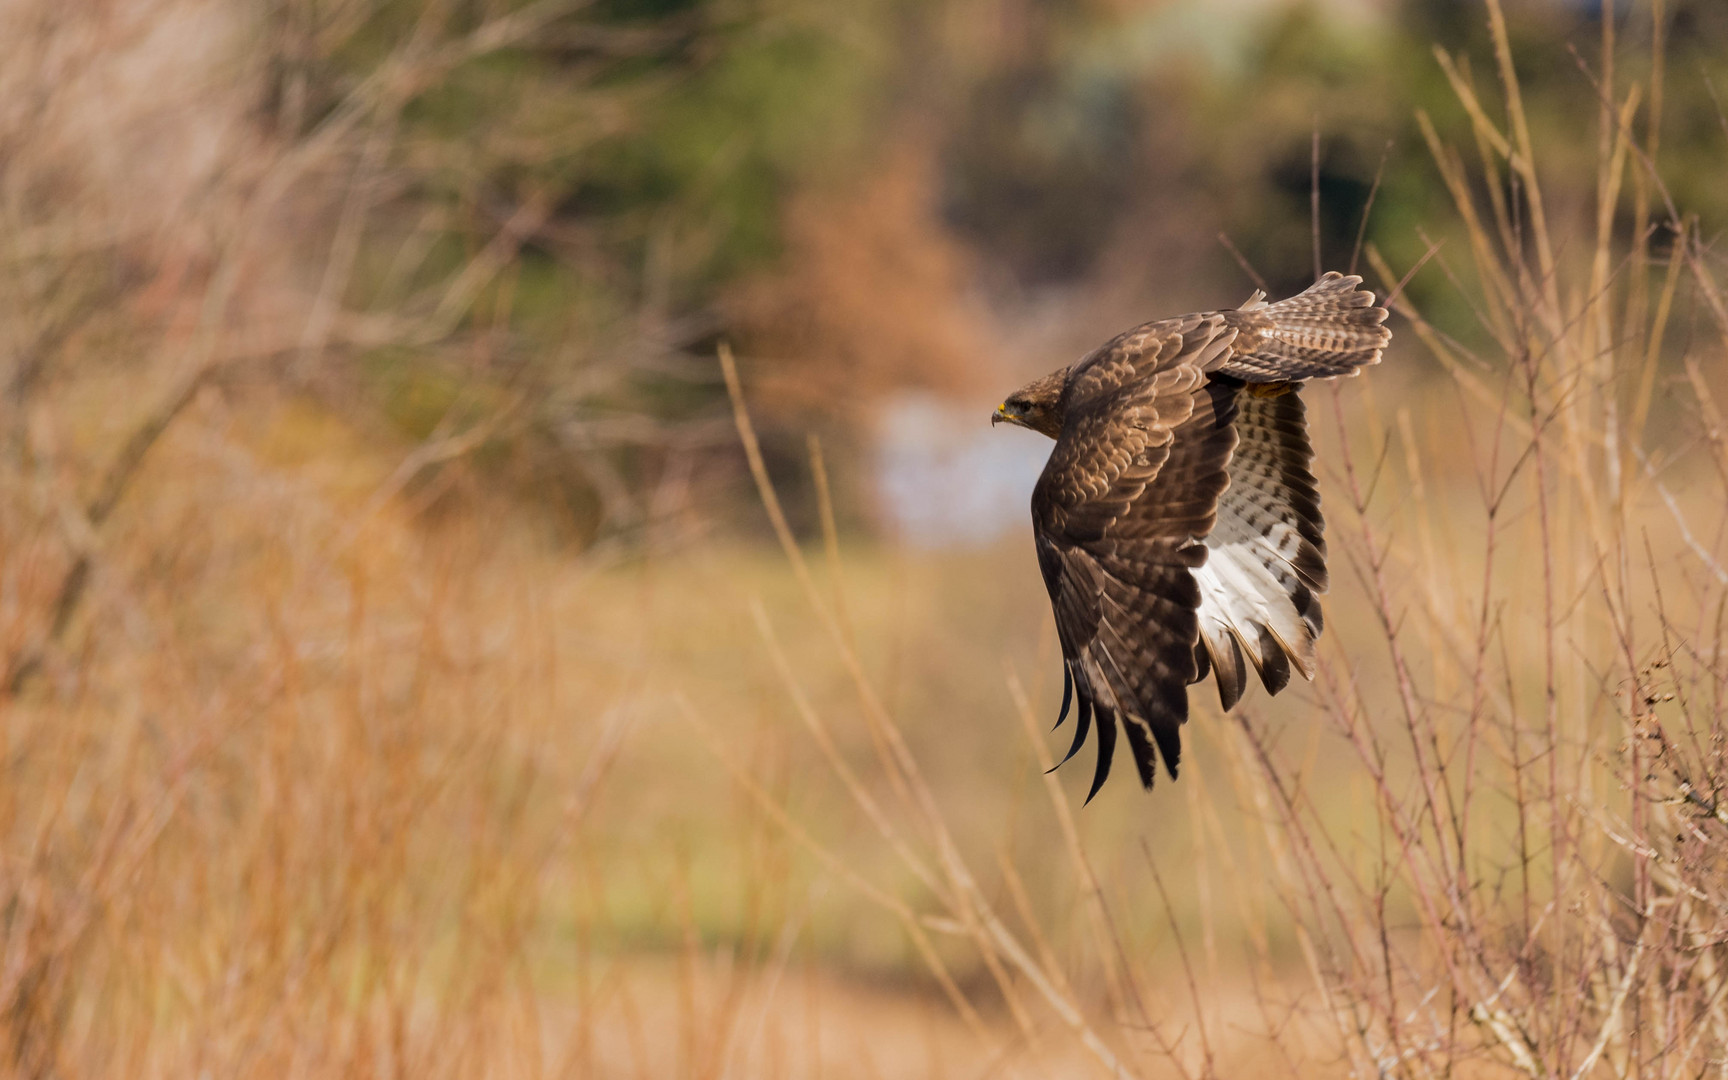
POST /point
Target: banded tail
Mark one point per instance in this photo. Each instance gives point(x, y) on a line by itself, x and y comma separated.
point(1331, 329)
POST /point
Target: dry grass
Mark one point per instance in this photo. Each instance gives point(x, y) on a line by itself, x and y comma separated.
point(298, 779)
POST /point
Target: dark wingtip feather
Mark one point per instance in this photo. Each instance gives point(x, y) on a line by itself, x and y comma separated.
point(1145, 758)
point(1232, 674)
point(1169, 738)
point(1310, 561)
point(1067, 695)
point(1229, 693)
point(1106, 750)
point(1082, 724)
point(1274, 665)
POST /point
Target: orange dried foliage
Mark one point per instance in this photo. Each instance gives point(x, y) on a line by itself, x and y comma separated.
point(872, 295)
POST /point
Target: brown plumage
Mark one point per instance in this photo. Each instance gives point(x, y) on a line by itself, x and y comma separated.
point(1177, 523)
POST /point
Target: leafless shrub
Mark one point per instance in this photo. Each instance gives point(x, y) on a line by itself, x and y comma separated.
point(1537, 889)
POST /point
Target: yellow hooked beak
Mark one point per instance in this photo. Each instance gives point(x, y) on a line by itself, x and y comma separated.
point(999, 415)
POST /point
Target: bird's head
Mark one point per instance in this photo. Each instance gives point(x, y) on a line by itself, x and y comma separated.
point(1037, 405)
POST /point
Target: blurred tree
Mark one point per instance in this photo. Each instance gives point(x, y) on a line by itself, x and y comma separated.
point(571, 208)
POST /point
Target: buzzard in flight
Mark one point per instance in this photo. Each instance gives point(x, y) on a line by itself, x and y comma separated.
point(1177, 522)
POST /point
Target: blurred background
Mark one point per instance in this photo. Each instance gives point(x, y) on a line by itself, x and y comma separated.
point(406, 674)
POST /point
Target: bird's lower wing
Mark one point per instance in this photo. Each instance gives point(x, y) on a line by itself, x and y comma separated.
point(1266, 557)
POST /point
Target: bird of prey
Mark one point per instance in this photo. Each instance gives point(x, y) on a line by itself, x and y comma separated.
point(1177, 522)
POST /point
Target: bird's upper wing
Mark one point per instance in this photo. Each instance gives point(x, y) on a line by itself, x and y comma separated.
point(1266, 558)
point(1120, 516)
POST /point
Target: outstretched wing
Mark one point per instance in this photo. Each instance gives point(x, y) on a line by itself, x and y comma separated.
point(1120, 516)
point(1266, 557)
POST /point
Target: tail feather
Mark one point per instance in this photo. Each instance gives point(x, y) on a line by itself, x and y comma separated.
point(1333, 328)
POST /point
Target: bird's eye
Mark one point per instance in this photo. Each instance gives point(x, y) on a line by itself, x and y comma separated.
point(1017, 406)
